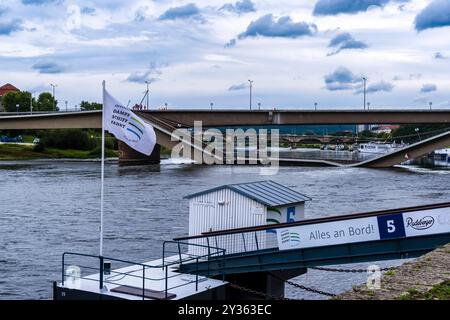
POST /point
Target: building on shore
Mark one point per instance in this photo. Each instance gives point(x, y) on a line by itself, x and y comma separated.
point(7, 88)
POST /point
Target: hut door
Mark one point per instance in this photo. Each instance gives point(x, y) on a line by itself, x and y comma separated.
point(205, 215)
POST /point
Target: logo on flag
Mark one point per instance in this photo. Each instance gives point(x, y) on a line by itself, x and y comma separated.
point(136, 130)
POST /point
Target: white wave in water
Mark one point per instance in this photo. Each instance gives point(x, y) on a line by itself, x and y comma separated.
point(417, 169)
point(177, 161)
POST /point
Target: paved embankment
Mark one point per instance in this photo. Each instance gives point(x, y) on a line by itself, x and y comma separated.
point(427, 277)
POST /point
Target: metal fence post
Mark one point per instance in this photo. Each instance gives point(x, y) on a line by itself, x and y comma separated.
point(143, 282)
point(209, 248)
point(62, 271)
point(101, 272)
point(164, 254)
point(196, 275)
point(223, 266)
point(166, 282)
point(179, 252)
point(243, 240)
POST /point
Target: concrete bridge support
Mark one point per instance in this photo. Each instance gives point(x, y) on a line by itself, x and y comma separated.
point(130, 157)
point(268, 283)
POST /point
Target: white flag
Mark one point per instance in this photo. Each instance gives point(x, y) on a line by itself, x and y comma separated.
point(127, 126)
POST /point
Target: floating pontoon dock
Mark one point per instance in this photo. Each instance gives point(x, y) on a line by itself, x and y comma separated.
point(212, 271)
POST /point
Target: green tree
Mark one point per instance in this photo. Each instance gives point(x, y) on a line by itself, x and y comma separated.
point(46, 102)
point(411, 132)
point(67, 139)
point(11, 100)
point(85, 106)
point(367, 134)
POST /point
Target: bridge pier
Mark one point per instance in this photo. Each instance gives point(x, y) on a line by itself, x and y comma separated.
point(268, 283)
point(131, 157)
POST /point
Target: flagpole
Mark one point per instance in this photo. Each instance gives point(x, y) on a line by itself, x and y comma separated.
point(102, 170)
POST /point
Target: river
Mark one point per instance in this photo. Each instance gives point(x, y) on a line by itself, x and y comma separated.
point(48, 207)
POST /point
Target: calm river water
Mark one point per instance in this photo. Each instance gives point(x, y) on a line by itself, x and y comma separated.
point(48, 207)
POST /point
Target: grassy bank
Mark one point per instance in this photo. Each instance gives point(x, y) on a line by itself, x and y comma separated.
point(26, 152)
point(424, 278)
point(438, 292)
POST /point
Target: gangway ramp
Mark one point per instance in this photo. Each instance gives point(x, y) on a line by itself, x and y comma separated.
point(372, 236)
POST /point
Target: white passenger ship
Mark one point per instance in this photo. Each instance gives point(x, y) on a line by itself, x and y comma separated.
point(442, 154)
point(379, 148)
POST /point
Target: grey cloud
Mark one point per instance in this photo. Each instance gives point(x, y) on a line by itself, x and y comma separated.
point(341, 79)
point(334, 7)
point(435, 15)
point(150, 75)
point(230, 43)
point(377, 87)
point(439, 55)
point(47, 67)
point(284, 27)
point(37, 2)
point(344, 41)
point(428, 87)
point(6, 28)
point(240, 7)
point(237, 87)
point(183, 12)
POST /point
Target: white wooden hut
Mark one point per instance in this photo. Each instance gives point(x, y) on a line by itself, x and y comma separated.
point(243, 205)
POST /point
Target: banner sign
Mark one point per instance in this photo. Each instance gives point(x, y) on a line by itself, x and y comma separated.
point(398, 225)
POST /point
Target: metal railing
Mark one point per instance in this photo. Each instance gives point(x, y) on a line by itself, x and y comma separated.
point(141, 268)
point(256, 238)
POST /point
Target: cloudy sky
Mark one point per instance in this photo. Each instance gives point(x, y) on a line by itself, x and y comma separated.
point(196, 52)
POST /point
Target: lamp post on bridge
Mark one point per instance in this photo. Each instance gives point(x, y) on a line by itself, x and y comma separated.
point(315, 106)
point(148, 92)
point(54, 97)
point(431, 104)
point(259, 105)
point(364, 84)
point(417, 131)
point(31, 102)
point(211, 105)
point(251, 87)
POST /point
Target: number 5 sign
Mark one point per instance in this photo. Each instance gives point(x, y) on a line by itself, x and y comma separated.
point(391, 226)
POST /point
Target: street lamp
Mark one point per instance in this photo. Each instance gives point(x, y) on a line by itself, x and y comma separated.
point(148, 92)
point(54, 98)
point(251, 87)
point(417, 131)
point(211, 104)
point(431, 104)
point(315, 106)
point(368, 105)
point(31, 103)
point(259, 105)
point(364, 83)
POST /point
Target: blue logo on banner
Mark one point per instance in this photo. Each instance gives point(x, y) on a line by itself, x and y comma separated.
point(391, 226)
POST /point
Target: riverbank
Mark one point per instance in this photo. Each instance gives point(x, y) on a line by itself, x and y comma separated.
point(27, 152)
point(425, 278)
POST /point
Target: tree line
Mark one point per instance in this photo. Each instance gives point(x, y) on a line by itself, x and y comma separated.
point(22, 102)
